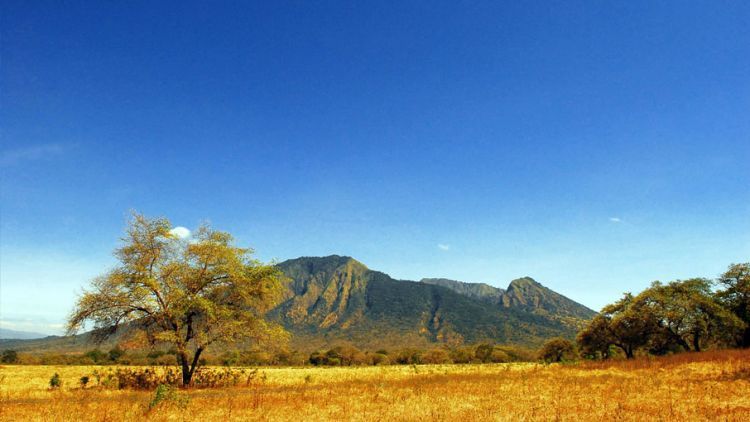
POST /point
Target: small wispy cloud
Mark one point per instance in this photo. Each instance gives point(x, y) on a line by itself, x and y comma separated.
point(615, 219)
point(180, 232)
point(443, 246)
point(32, 153)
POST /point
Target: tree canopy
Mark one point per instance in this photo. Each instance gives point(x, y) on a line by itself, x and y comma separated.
point(682, 315)
point(192, 293)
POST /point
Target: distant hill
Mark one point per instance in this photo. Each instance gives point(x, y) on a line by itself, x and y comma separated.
point(334, 299)
point(8, 334)
point(337, 298)
point(524, 293)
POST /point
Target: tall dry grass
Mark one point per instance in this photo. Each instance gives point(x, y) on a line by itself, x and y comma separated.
point(705, 386)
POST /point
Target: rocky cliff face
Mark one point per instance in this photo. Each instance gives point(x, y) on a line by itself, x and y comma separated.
point(338, 298)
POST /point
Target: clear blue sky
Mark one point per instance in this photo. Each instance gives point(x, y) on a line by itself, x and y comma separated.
point(595, 146)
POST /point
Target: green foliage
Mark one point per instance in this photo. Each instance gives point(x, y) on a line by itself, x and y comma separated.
point(735, 296)
point(9, 356)
point(96, 355)
point(557, 350)
point(189, 294)
point(84, 381)
point(168, 395)
point(115, 354)
point(682, 315)
point(55, 382)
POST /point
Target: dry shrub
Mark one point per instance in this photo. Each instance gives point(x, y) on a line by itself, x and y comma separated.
point(151, 378)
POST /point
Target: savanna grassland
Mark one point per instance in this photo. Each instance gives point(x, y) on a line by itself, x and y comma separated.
point(694, 386)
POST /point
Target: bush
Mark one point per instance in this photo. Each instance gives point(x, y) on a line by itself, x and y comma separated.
point(380, 359)
point(9, 356)
point(436, 356)
point(167, 394)
point(557, 350)
point(84, 381)
point(55, 382)
point(115, 354)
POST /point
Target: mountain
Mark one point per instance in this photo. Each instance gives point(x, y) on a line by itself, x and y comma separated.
point(479, 291)
point(337, 298)
point(524, 293)
point(8, 334)
point(334, 299)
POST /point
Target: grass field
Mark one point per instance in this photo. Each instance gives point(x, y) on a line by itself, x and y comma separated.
point(712, 385)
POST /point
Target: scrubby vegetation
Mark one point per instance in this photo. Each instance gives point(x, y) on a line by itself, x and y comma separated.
point(710, 385)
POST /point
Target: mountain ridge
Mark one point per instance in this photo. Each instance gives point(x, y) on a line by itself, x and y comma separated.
point(335, 299)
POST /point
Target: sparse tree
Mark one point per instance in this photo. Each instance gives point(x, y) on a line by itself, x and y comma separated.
point(192, 294)
point(736, 296)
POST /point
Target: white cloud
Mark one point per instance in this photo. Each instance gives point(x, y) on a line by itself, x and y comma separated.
point(443, 246)
point(37, 152)
point(180, 232)
point(615, 219)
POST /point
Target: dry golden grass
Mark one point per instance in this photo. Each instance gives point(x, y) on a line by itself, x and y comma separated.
point(714, 386)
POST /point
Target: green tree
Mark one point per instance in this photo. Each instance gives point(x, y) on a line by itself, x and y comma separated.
point(687, 313)
point(483, 352)
point(115, 354)
point(736, 296)
point(557, 350)
point(9, 356)
point(596, 339)
point(630, 325)
point(192, 294)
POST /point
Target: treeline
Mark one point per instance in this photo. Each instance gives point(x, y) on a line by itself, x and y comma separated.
point(679, 316)
point(343, 355)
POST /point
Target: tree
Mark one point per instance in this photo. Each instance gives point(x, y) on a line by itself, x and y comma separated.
point(9, 356)
point(687, 313)
point(629, 325)
point(191, 294)
point(557, 350)
point(596, 339)
point(736, 296)
point(483, 352)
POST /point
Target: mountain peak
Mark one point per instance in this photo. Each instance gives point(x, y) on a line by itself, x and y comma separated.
point(524, 282)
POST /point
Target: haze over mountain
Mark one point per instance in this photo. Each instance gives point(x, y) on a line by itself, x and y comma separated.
point(8, 334)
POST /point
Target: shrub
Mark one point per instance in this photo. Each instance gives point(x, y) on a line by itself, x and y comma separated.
point(55, 382)
point(84, 381)
point(436, 356)
point(557, 350)
point(115, 354)
point(9, 356)
point(380, 359)
point(167, 394)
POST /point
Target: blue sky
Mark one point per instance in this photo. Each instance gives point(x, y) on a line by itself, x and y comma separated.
point(595, 146)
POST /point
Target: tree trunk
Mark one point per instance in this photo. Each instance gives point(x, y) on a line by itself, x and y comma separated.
point(629, 353)
point(186, 373)
point(697, 343)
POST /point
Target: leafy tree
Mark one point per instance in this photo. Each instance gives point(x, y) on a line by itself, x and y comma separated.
point(115, 354)
point(95, 355)
point(9, 356)
point(192, 294)
point(436, 356)
point(557, 350)
point(483, 352)
point(687, 313)
point(631, 324)
point(736, 296)
point(596, 339)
